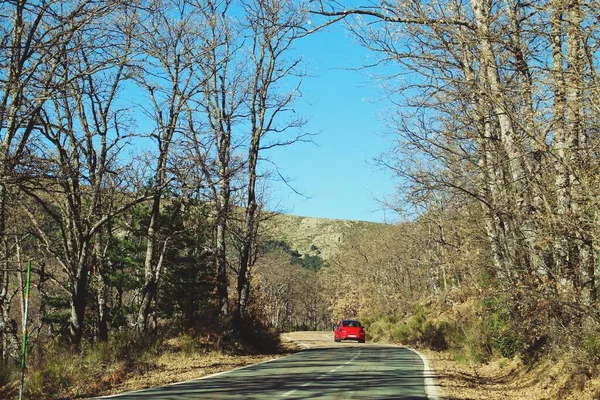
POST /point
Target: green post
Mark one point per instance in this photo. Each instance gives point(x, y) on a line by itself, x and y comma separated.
point(24, 350)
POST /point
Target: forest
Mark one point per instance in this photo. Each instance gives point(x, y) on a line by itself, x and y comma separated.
point(134, 174)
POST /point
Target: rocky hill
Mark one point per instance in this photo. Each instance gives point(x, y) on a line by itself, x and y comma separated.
point(314, 236)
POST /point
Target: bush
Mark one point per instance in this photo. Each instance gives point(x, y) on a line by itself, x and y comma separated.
point(34, 385)
point(9, 374)
point(481, 330)
point(420, 331)
point(377, 329)
point(501, 332)
point(257, 337)
point(591, 347)
point(477, 341)
point(401, 333)
point(53, 370)
point(59, 371)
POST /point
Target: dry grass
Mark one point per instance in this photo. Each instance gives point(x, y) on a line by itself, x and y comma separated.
point(60, 374)
point(509, 379)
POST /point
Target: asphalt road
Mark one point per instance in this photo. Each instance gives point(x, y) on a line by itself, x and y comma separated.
point(324, 370)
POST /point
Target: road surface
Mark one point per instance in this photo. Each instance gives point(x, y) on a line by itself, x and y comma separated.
point(324, 370)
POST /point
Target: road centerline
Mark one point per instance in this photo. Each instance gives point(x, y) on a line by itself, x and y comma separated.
point(290, 392)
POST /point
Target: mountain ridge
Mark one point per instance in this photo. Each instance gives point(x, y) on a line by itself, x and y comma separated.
point(314, 236)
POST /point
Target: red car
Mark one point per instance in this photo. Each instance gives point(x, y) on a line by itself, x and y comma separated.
point(349, 329)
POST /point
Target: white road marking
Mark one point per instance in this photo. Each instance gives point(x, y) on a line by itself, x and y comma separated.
point(432, 390)
point(290, 392)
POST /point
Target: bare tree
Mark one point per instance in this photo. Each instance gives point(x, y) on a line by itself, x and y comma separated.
point(274, 25)
point(482, 117)
point(210, 142)
point(287, 294)
point(39, 41)
point(167, 34)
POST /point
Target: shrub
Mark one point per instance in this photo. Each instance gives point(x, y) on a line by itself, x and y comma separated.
point(9, 374)
point(401, 333)
point(420, 331)
point(434, 336)
point(58, 371)
point(34, 385)
point(501, 332)
point(591, 347)
point(377, 330)
point(257, 337)
point(52, 371)
point(477, 341)
point(455, 335)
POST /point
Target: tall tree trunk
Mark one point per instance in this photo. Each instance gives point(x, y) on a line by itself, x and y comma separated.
point(12, 119)
point(443, 258)
point(101, 288)
point(538, 146)
point(4, 274)
point(563, 190)
point(78, 300)
point(150, 286)
point(523, 227)
point(490, 174)
point(248, 236)
point(575, 143)
point(221, 262)
point(224, 198)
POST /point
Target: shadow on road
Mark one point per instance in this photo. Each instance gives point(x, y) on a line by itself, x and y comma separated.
point(325, 373)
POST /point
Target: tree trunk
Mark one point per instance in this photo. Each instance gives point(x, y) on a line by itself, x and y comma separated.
point(102, 288)
point(248, 236)
point(221, 251)
point(4, 274)
point(523, 226)
point(575, 142)
point(149, 287)
point(563, 193)
point(78, 302)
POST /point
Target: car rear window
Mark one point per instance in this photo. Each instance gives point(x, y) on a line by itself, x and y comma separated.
point(353, 324)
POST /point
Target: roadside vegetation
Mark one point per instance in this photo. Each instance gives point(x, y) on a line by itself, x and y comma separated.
point(483, 341)
point(130, 362)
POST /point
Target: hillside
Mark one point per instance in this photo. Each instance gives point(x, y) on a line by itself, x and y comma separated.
point(314, 236)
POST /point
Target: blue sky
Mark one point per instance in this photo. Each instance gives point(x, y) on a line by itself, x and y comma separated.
point(345, 107)
point(337, 175)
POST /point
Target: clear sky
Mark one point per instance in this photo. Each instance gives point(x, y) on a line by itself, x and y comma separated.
point(337, 174)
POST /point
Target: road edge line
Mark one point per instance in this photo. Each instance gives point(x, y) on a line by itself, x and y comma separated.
point(432, 389)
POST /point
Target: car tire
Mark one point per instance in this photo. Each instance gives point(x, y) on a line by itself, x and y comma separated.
point(361, 341)
point(336, 340)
